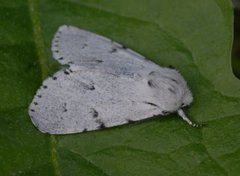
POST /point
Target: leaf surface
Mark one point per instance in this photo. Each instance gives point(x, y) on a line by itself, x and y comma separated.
point(193, 36)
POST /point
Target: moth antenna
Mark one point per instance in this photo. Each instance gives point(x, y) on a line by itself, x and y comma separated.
point(184, 117)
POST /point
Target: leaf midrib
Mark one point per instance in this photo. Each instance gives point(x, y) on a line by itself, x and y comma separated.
point(44, 67)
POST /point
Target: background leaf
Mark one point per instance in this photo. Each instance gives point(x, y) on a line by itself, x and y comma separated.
point(193, 36)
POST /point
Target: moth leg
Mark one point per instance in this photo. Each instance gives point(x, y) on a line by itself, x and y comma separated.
point(184, 117)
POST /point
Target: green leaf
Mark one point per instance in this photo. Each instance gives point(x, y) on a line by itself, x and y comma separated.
point(193, 36)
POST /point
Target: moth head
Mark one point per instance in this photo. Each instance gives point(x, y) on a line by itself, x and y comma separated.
point(170, 88)
point(187, 98)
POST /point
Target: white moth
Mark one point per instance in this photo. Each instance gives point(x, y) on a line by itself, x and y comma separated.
point(105, 85)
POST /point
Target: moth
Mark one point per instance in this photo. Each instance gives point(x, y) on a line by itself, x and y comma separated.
point(104, 85)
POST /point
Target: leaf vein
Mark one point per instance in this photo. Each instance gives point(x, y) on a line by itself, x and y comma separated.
point(43, 63)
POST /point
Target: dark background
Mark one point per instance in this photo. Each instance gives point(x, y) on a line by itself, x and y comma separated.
point(236, 41)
